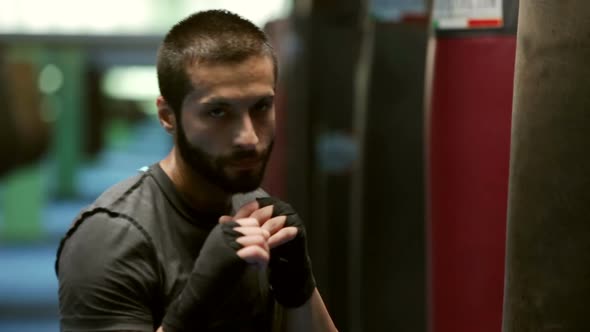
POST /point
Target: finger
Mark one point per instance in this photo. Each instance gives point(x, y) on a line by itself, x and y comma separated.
point(225, 219)
point(254, 255)
point(247, 222)
point(248, 231)
point(263, 214)
point(253, 240)
point(283, 236)
point(275, 224)
point(246, 210)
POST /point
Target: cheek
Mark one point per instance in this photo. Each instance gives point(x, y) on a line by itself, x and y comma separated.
point(197, 135)
point(270, 133)
point(266, 128)
point(203, 141)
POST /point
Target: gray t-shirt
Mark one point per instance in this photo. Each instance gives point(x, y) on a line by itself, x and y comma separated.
point(128, 255)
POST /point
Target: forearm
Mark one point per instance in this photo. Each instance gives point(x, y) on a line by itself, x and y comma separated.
point(310, 317)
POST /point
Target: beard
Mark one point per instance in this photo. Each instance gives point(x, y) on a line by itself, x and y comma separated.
point(213, 168)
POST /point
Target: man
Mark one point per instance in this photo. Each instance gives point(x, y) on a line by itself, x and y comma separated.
point(162, 250)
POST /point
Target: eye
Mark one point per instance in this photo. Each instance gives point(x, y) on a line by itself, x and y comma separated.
point(216, 113)
point(262, 106)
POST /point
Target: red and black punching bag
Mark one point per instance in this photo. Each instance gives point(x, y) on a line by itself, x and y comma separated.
point(470, 73)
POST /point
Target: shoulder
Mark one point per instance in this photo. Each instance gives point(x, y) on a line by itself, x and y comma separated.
point(109, 215)
point(102, 236)
point(126, 191)
point(107, 272)
point(126, 204)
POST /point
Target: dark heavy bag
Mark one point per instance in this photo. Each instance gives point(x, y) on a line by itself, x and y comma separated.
point(548, 247)
point(24, 136)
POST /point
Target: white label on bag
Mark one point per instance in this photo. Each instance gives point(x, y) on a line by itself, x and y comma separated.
point(467, 14)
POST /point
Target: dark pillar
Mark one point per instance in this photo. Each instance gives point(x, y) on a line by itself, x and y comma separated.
point(548, 250)
point(394, 265)
point(323, 145)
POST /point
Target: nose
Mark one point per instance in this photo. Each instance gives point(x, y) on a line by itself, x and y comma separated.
point(246, 137)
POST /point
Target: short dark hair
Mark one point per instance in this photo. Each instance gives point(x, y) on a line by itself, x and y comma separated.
point(213, 36)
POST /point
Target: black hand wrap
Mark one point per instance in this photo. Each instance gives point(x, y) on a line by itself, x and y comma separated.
point(291, 277)
point(216, 267)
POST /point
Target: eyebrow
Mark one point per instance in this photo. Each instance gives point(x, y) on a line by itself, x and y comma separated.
point(226, 101)
point(216, 102)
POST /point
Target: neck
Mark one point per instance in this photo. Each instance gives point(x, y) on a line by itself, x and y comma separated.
point(198, 191)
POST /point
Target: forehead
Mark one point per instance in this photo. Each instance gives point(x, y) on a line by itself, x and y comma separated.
point(254, 75)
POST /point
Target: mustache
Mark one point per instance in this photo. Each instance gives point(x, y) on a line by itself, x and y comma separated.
point(246, 154)
point(243, 154)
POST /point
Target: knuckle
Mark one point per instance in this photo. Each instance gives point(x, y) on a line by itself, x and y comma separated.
point(265, 234)
point(247, 221)
point(259, 239)
point(259, 253)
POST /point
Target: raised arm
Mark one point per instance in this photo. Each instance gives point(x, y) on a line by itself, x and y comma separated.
point(311, 316)
point(291, 276)
point(222, 261)
point(108, 275)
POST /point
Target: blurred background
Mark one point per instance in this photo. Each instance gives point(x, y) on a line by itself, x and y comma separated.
point(393, 144)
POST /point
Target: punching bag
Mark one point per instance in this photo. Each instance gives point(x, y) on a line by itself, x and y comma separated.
point(24, 136)
point(468, 149)
point(548, 243)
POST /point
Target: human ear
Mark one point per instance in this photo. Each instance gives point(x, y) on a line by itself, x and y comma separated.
point(166, 115)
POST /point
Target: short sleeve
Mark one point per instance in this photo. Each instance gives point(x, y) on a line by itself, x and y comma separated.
point(108, 276)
